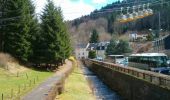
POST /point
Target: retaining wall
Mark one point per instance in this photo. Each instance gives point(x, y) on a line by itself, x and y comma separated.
point(128, 85)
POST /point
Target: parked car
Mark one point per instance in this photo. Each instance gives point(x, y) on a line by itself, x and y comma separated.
point(99, 58)
point(124, 62)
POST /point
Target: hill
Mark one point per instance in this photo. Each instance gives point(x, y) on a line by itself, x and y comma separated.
point(16, 80)
point(104, 20)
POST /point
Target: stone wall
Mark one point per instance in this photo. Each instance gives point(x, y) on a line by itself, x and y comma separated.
point(129, 87)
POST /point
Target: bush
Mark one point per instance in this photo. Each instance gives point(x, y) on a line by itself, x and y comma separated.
point(72, 58)
point(92, 54)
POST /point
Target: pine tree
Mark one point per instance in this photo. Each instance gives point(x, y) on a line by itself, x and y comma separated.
point(17, 29)
point(52, 43)
point(34, 31)
point(111, 48)
point(118, 47)
point(66, 45)
point(94, 37)
point(123, 47)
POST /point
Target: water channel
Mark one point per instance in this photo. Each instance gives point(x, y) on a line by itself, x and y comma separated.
point(100, 90)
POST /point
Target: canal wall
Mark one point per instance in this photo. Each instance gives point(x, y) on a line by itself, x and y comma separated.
point(129, 84)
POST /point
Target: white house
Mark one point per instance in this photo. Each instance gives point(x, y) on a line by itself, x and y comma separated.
point(81, 51)
point(100, 48)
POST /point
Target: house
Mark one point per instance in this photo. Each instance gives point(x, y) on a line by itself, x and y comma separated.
point(81, 51)
point(100, 48)
point(133, 36)
point(137, 37)
point(162, 45)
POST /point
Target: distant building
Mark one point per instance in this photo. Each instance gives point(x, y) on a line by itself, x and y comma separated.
point(81, 51)
point(137, 37)
point(133, 36)
point(162, 45)
point(100, 48)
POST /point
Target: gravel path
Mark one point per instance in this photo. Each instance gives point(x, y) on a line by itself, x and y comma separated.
point(41, 92)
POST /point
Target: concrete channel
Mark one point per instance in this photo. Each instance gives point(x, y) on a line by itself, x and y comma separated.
point(99, 89)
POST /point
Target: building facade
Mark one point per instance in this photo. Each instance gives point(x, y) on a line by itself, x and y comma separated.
point(81, 51)
point(100, 48)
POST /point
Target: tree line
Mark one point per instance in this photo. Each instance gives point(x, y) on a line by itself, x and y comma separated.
point(151, 22)
point(32, 39)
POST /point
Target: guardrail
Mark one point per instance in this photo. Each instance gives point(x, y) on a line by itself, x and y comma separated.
point(152, 77)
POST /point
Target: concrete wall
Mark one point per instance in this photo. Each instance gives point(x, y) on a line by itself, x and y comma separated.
point(129, 87)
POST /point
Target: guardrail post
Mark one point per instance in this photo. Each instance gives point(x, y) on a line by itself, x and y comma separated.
point(150, 78)
point(137, 74)
point(144, 76)
point(132, 72)
point(128, 71)
point(160, 81)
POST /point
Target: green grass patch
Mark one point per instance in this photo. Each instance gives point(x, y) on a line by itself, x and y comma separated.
point(76, 87)
point(16, 85)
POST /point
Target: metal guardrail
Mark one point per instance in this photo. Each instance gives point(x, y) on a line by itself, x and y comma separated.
point(152, 77)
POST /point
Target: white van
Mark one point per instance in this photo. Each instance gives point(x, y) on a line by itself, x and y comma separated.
point(117, 59)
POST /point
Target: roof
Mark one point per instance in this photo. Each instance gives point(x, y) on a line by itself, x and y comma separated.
point(92, 45)
point(96, 46)
point(81, 45)
point(149, 54)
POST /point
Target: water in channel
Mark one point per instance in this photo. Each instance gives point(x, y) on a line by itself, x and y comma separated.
point(100, 90)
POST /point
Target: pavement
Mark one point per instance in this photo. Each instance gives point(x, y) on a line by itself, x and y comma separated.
point(41, 92)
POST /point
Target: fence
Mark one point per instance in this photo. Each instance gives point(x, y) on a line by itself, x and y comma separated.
point(152, 77)
point(15, 93)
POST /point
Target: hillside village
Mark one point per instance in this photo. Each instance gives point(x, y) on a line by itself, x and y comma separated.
point(138, 42)
point(109, 50)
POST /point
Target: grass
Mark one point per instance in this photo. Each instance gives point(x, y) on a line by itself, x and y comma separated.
point(11, 85)
point(76, 87)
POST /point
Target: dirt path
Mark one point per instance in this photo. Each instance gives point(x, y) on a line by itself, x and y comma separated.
point(41, 92)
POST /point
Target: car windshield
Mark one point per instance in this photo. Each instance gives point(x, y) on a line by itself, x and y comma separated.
point(159, 61)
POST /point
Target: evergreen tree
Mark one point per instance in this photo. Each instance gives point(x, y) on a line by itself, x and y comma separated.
point(111, 48)
point(52, 43)
point(94, 37)
point(17, 17)
point(118, 47)
point(123, 47)
point(92, 54)
point(34, 31)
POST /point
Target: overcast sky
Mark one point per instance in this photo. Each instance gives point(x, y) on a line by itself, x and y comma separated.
point(74, 8)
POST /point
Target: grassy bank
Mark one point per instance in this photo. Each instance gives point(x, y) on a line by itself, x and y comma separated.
point(13, 85)
point(76, 87)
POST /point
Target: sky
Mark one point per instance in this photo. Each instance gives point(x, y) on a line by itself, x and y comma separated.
point(72, 9)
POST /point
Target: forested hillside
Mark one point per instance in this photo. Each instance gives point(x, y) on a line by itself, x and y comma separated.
point(104, 20)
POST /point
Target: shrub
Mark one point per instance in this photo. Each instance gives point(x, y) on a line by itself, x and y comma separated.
point(92, 54)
